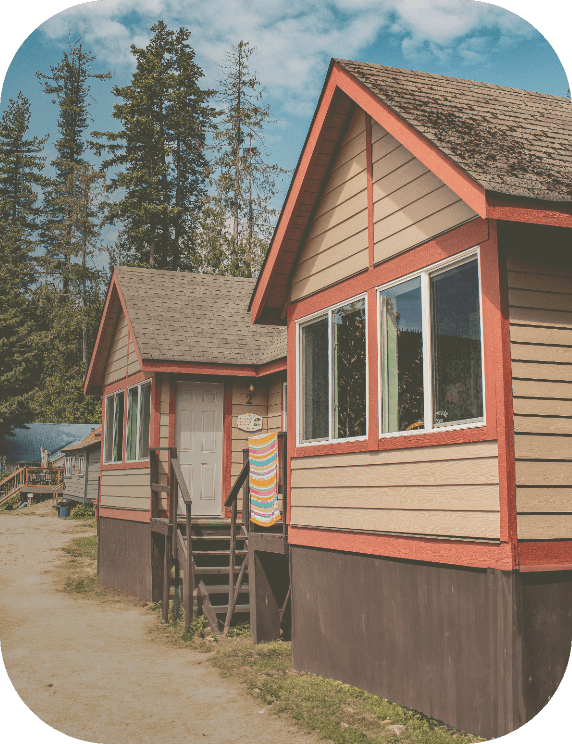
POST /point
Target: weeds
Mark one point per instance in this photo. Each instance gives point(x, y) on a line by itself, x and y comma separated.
point(82, 547)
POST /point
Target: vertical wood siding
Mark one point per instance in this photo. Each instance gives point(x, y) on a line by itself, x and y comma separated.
point(336, 246)
point(449, 490)
point(410, 204)
point(116, 367)
point(540, 314)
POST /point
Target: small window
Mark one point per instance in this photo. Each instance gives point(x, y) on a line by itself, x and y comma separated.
point(431, 358)
point(333, 374)
point(114, 412)
point(68, 465)
point(81, 466)
point(138, 417)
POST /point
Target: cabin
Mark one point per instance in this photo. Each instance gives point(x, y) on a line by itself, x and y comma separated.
point(82, 466)
point(422, 267)
point(184, 378)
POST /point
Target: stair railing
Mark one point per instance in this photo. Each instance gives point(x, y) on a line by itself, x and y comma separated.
point(232, 502)
point(174, 542)
point(19, 479)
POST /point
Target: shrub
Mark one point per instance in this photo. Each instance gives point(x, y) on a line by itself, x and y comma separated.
point(83, 511)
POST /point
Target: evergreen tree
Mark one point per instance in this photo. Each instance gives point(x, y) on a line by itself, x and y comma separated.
point(243, 179)
point(20, 170)
point(69, 84)
point(159, 153)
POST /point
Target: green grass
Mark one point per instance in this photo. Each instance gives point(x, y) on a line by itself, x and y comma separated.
point(82, 547)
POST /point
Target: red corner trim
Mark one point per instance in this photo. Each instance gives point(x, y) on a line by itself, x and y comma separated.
point(545, 556)
point(128, 514)
point(369, 173)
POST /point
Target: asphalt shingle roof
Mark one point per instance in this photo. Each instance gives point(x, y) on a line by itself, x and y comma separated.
point(511, 141)
point(200, 318)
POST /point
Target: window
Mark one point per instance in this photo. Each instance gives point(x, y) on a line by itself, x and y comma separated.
point(333, 374)
point(68, 464)
point(81, 466)
point(430, 356)
point(138, 414)
point(114, 407)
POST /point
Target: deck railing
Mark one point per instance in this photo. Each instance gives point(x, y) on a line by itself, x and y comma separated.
point(30, 478)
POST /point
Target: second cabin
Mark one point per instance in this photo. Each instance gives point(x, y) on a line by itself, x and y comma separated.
point(178, 364)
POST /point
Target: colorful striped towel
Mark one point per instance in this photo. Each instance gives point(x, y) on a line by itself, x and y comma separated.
point(263, 457)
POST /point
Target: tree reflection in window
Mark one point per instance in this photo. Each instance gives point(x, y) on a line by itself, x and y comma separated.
point(349, 387)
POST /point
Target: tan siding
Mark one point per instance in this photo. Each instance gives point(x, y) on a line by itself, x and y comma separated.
point(411, 205)
point(126, 502)
point(540, 304)
point(337, 243)
point(275, 405)
point(446, 490)
point(134, 365)
point(259, 405)
point(129, 488)
point(116, 366)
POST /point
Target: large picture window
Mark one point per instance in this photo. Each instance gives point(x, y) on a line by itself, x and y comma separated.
point(138, 414)
point(333, 374)
point(431, 358)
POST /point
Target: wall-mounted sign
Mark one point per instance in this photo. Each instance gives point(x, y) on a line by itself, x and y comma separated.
point(249, 422)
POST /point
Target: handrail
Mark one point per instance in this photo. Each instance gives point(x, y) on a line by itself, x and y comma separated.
point(11, 475)
point(233, 494)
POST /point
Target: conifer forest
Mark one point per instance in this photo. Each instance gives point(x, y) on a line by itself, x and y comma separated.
point(184, 180)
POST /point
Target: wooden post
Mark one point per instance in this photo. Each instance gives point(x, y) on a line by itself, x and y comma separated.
point(284, 464)
point(232, 556)
point(166, 579)
point(189, 594)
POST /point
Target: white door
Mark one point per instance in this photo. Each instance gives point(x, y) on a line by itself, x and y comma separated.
point(198, 438)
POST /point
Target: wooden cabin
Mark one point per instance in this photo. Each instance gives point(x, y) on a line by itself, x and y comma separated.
point(82, 468)
point(184, 376)
point(422, 265)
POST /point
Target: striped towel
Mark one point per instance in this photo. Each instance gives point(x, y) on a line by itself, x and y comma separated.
point(263, 458)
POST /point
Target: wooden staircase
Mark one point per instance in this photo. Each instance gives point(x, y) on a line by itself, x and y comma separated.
point(36, 480)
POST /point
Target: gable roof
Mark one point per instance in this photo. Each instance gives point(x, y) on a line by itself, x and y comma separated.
point(506, 153)
point(185, 318)
point(94, 438)
point(25, 445)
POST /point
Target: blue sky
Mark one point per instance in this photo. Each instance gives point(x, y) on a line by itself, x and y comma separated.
point(294, 43)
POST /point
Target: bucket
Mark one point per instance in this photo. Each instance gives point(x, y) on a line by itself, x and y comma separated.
point(64, 512)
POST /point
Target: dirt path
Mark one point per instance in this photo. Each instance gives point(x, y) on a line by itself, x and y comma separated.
point(91, 670)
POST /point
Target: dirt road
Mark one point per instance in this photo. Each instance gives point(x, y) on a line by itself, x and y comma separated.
point(92, 671)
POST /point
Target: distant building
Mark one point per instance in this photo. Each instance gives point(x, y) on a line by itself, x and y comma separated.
point(24, 447)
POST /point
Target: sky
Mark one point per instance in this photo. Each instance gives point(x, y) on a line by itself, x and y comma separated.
point(294, 43)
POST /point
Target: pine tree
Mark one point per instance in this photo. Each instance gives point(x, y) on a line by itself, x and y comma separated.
point(243, 179)
point(159, 153)
point(20, 170)
point(69, 84)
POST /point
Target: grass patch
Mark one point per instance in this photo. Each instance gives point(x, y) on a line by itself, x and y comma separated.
point(82, 547)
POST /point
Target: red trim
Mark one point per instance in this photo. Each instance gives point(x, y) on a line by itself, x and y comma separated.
point(505, 421)
point(156, 431)
point(172, 409)
point(369, 169)
point(227, 439)
point(125, 465)
point(129, 514)
point(453, 552)
point(218, 370)
point(99, 338)
point(541, 555)
point(518, 209)
point(372, 370)
point(538, 569)
point(125, 383)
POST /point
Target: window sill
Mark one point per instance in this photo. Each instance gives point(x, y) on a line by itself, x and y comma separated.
point(337, 446)
point(435, 430)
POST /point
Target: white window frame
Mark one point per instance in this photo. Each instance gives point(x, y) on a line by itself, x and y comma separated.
point(300, 324)
point(81, 466)
point(425, 274)
point(138, 385)
point(68, 467)
point(104, 444)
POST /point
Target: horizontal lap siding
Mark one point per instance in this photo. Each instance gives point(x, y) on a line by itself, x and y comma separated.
point(134, 365)
point(93, 472)
point(540, 313)
point(337, 246)
point(449, 490)
point(126, 489)
point(410, 204)
point(116, 366)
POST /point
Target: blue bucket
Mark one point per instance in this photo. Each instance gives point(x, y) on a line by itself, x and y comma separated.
point(64, 511)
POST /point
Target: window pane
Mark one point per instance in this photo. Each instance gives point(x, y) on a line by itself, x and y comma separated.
point(315, 380)
point(144, 417)
point(131, 449)
point(402, 357)
point(456, 331)
point(118, 428)
point(108, 454)
point(349, 370)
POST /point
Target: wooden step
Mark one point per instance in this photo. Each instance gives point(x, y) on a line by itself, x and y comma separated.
point(218, 570)
point(219, 552)
point(223, 589)
point(216, 537)
point(224, 608)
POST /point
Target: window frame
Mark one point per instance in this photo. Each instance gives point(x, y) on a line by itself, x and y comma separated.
point(425, 275)
point(68, 466)
point(81, 466)
point(114, 395)
point(138, 385)
point(300, 324)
